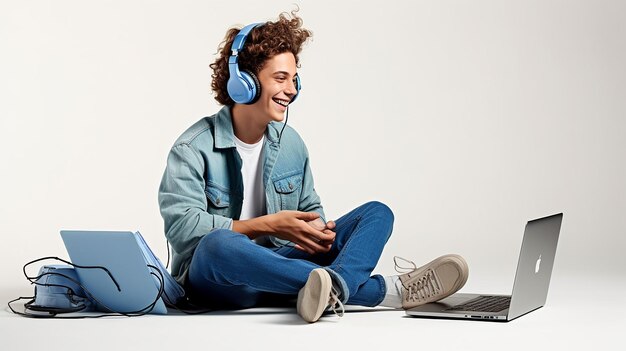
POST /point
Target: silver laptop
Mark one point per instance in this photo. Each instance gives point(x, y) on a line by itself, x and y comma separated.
point(530, 288)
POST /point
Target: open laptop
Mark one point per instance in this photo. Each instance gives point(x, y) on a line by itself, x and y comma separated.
point(133, 286)
point(530, 288)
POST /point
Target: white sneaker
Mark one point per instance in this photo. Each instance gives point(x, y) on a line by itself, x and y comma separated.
point(317, 295)
point(433, 281)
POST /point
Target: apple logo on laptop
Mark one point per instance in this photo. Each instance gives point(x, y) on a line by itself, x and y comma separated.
point(538, 264)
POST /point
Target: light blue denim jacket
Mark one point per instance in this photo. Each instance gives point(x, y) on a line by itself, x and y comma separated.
point(202, 187)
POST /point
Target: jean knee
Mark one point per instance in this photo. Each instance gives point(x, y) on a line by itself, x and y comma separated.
point(219, 244)
point(378, 208)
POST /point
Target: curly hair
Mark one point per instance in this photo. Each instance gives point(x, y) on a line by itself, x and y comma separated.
point(263, 43)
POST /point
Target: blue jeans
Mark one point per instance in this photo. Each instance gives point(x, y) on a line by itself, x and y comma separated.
point(228, 270)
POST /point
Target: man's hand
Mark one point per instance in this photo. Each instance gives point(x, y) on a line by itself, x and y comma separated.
point(294, 226)
point(326, 228)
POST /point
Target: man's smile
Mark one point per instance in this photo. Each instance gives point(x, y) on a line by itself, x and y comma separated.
point(281, 102)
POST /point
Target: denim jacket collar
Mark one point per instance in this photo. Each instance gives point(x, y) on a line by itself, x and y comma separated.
point(225, 135)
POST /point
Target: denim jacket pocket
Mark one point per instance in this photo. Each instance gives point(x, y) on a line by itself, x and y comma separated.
point(288, 191)
point(218, 199)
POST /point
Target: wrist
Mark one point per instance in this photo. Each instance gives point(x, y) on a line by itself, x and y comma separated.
point(253, 227)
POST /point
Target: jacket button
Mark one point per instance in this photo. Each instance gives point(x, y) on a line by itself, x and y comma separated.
point(290, 186)
point(217, 202)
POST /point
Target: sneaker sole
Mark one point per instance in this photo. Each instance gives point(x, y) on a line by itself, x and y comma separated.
point(313, 297)
point(463, 275)
point(438, 263)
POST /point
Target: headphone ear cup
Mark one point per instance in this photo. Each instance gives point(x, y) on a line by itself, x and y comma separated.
point(243, 87)
point(254, 82)
point(298, 86)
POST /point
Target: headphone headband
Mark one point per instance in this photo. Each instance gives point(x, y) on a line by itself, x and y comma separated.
point(240, 39)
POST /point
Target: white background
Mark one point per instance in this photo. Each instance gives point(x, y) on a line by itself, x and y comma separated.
point(467, 118)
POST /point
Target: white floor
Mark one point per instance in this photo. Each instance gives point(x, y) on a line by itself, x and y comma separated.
point(582, 311)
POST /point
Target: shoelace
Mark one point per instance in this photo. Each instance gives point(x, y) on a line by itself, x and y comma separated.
point(401, 269)
point(335, 303)
point(426, 286)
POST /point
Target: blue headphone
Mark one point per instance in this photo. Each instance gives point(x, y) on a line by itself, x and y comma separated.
point(243, 86)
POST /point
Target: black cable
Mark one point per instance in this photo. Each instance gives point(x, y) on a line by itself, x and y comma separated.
point(54, 311)
point(167, 265)
point(161, 279)
point(70, 263)
point(198, 309)
point(280, 136)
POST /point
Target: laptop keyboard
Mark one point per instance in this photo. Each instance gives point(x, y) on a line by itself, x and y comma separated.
point(484, 304)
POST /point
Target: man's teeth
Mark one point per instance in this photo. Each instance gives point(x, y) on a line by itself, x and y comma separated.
point(281, 102)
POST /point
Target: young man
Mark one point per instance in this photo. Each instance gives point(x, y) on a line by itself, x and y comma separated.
point(240, 209)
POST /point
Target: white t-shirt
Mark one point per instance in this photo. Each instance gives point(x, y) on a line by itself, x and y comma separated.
point(252, 173)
